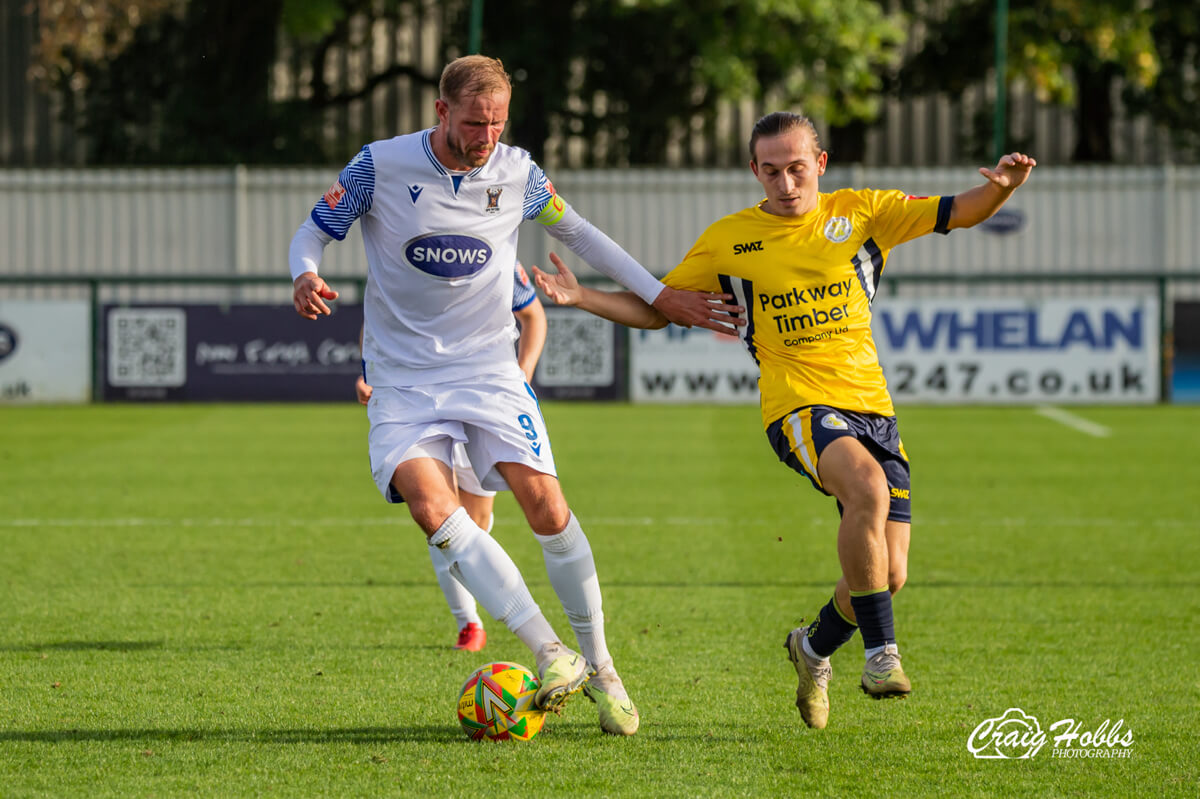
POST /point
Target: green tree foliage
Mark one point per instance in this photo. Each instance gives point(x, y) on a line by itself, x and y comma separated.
point(1070, 52)
point(635, 73)
point(1174, 99)
point(167, 81)
point(188, 81)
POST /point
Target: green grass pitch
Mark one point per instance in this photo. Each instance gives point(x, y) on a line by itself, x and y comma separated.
point(213, 600)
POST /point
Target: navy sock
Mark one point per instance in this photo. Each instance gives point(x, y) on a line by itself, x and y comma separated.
point(830, 630)
point(873, 609)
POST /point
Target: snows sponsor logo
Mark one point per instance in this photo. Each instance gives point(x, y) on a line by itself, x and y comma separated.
point(448, 255)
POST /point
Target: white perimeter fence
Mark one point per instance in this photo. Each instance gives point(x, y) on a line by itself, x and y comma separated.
point(239, 221)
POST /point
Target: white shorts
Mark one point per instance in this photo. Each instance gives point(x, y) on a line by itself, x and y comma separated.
point(464, 474)
point(494, 417)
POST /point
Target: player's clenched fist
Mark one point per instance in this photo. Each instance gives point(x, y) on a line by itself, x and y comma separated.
point(309, 294)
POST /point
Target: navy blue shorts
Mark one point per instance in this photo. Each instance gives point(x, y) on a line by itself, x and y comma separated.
point(800, 437)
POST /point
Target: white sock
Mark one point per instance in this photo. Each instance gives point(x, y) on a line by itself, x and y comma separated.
point(608, 681)
point(539, 636)
point(461, 603)
point(572, 572)
point(484, 569)
point(875, 650)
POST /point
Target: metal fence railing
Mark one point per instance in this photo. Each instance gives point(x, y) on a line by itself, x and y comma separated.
point(102, 289)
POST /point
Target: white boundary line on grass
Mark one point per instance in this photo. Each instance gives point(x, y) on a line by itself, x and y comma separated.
point(1072, 421)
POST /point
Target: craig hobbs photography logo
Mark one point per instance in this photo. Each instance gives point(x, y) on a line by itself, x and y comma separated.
point(1018, 736)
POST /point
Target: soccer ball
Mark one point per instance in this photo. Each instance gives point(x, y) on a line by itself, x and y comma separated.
point(496, 702)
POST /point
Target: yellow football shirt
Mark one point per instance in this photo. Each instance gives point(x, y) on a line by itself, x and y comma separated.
point(807, 284)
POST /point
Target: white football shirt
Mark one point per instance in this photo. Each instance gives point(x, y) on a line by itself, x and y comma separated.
point(440, 249)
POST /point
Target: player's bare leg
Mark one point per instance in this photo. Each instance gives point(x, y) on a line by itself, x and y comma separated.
point(850, 473)
point(572, 572)
point(810, 646)
point(480, 564)
point(898, 535)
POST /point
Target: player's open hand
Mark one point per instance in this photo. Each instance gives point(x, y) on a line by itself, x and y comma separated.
point(700, 309)
point(1012, 170)
point(562, 288)
point(309, 293)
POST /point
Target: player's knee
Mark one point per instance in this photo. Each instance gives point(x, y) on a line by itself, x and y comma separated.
point(897, 576)
point(430, 514)
point(549, 518)
point(545, 508)
point(869, 506)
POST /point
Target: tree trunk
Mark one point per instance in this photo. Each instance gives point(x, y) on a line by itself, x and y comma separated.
point(1093, 113)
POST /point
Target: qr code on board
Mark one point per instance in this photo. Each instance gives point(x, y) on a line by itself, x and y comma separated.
point(147, 347)
point(579, 350)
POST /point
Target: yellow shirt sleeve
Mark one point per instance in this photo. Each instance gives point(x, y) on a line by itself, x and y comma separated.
point(899, 217)
point(697, 271)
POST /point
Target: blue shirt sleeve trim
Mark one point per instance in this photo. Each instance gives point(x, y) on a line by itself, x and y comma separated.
point(321, 224)
point(357, 193)
point(537, 192)
point(945, 205)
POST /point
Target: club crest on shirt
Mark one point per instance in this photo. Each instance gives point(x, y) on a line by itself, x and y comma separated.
point(838, 229)
point(493, 195)
point(832, 421)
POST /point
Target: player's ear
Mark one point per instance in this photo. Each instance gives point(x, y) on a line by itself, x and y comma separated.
point(822, 162)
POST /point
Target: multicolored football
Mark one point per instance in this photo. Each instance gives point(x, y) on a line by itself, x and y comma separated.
point(496, 703)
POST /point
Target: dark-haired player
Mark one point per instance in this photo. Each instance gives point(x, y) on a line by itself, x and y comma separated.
point(806, 265)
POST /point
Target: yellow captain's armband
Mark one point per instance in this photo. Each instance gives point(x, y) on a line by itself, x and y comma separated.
point(553, 211)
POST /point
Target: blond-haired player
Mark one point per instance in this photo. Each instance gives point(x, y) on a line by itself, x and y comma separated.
point(439, 211)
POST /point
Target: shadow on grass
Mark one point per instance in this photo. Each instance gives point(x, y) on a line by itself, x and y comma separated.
point(419, 734)
point(351, 735)
point(84, 646)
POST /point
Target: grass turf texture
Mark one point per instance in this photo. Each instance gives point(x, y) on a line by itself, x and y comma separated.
point(214, 600)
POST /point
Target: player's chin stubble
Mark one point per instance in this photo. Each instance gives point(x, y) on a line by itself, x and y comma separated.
point(463, 157)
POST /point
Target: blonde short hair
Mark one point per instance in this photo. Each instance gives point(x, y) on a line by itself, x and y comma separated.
point(473, 75)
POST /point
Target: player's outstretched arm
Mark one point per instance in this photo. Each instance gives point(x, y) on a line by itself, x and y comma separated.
point(698, 308)
point(975, 205)
point(622, 307)
point(686, 308)
point(309, 292)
